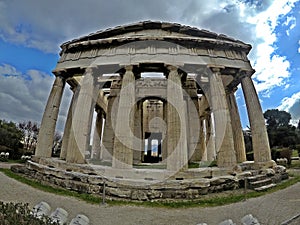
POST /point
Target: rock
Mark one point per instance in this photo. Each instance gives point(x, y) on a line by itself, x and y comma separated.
point(139, 195)
point(118, 192)
point(227, 222)
point(152, 194)
point(249, 220)
point(279, 169)
point(269, 172)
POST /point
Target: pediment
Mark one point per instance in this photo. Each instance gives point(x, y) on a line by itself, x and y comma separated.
point(151, 33)
point(153, 29)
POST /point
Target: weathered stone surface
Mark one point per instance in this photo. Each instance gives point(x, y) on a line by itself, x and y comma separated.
point(226, 156)
point(279, 169)
point(47, 129)
point(196, 92)
point(269, 172)
point(139, 195)
point(261, 148)
point(118, 192)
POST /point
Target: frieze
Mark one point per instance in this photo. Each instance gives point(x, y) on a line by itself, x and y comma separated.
point(152, 50)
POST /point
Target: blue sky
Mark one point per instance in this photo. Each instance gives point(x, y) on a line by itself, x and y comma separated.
point(31, 32)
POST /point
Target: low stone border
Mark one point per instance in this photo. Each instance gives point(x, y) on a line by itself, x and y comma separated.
point(180, 186)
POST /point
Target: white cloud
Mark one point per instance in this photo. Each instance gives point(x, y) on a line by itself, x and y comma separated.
point(272, 70)
point(292, 105)
point(288, 102)
point(23, 96)
point(46, 24)
point(290, 23)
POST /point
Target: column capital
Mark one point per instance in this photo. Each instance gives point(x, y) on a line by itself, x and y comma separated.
point(60, 73)
point(91, 69)
point(215, 68)
point(128, 68)
point(230, 90)
point(171, 68)
point(131, 68)
point(175, 70)
point(246, 73)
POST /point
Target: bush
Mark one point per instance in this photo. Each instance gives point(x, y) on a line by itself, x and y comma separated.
point(278, 153)
point(19, 213)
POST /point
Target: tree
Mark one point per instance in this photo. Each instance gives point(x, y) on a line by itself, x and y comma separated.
point(11, 138)
point(30, 130)
point(276, 118)
point(280, 132)
point(56, 144)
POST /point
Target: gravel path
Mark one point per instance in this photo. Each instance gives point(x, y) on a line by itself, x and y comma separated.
point(271, 209)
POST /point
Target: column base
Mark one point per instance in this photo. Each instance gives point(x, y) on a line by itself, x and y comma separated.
point(36, 158)
point(265, 165)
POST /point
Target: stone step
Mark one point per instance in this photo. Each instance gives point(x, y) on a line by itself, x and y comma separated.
point(259, 183)
point(265, 187)
point(256, 178)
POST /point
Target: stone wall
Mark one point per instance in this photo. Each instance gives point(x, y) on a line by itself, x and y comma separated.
point(85, 180)
point(118, 188)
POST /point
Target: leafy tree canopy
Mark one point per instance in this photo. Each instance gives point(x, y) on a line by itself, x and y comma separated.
point(276, 118)
point(10, 135)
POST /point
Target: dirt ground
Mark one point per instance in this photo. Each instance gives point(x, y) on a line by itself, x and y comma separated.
point(270, 209)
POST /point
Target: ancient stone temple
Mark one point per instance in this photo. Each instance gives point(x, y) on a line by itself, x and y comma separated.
point(158, 93)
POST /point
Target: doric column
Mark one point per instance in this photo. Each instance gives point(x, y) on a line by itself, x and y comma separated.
point(138, 133)
point(176, 126)
point(193, 129)
point(82, 119)
point(47, 129)
point(123, 143)
point(261, 148)
point(67, 130)
point(203, 150)
point(203, 128)
point(238, 137)
point(210, 137)
point(108, 132)
point(164, 135)
point(96, 147)
point(223, 130)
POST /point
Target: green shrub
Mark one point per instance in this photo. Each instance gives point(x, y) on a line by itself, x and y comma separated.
point(19, 213)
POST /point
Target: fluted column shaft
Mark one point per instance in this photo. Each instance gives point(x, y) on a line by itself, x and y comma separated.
point(108, 133)
point(176, 126)
point(82, 120)
point(224, 138)
point(164, 135)
point(260, 140)
point(67, 129)
point(238, 137)
point(138, 133)
point(203, 128)
point(210, 138)
point(96, 147)
point(48, 124)
point(203, 150)
point(193, 129)
point(123, 143)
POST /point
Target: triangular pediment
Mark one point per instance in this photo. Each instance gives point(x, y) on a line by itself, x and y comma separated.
point(152, 28)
